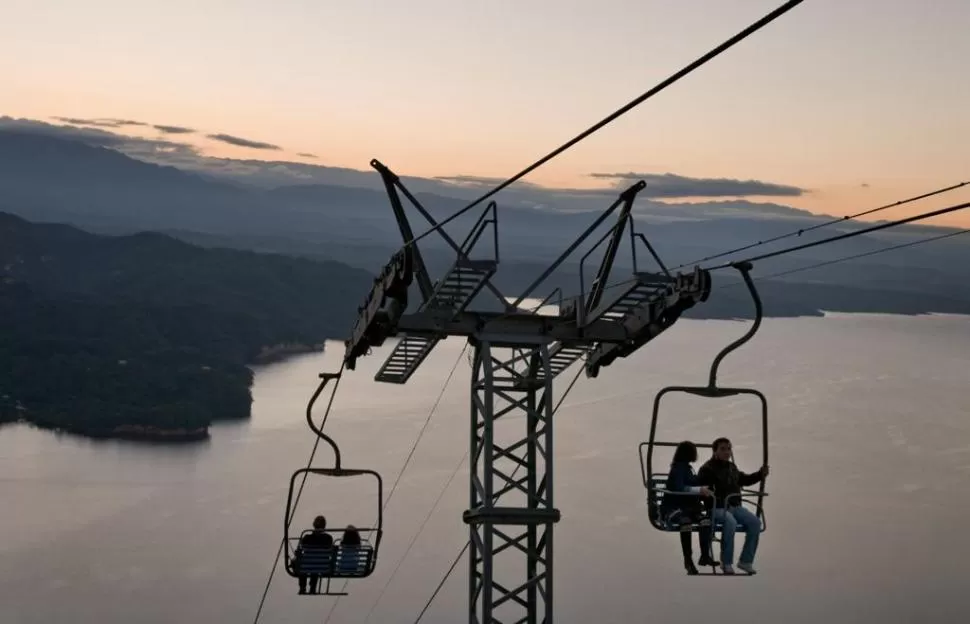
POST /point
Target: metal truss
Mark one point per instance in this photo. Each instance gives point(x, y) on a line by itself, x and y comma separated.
point(511, 513)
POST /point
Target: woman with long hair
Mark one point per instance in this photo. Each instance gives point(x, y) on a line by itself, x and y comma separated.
point(349, 546)
point(686, 507)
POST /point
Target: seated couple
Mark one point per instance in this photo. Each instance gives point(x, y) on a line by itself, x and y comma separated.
point(716, 485)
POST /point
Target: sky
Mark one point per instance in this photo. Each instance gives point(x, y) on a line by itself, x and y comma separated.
point(858, 103)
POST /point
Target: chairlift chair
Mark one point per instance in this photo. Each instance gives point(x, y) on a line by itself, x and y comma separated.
point(655, 481)
point(339, 561)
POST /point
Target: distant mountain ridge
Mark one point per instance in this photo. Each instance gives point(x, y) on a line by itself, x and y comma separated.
point(55, 179)
point(118, 194)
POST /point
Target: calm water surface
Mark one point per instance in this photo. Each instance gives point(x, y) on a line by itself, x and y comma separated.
point(870, 456)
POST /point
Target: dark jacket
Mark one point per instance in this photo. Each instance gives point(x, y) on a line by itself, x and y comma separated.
point(317, 539)
point(725, 479)
point(680, 479)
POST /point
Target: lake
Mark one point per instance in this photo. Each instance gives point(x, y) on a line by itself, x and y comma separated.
point(870, 458)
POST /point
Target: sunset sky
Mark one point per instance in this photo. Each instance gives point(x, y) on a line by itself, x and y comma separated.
point(859, 102)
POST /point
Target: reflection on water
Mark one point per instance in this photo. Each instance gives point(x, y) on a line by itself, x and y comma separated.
point(870, 453)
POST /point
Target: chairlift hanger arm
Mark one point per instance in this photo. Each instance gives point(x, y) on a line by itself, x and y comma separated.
point(325, 379)
point(745, 269)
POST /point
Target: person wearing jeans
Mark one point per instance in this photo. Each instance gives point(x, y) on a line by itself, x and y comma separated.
point(720, 474)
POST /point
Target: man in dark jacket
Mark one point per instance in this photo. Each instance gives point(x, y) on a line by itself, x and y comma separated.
point(720, 474)
point(318, 539)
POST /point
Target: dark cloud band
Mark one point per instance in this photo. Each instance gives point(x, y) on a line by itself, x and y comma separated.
point(241, 142)
point(173, 129)
point(671, 186)
point(271, 174)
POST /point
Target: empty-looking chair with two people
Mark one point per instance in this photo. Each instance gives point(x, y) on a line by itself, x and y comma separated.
point(319, 556)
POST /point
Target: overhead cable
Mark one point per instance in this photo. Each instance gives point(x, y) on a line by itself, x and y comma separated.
point(744, 34)
point(801, 231)
point(825, 241)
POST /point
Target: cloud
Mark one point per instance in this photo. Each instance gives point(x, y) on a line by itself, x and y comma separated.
point(173, 129)
point(102, 123)
point(125, 122)
point(525, 195)
point(670, 185)
point(307, 155)
point(234, 140)
point(473, 181)
point(136, 147)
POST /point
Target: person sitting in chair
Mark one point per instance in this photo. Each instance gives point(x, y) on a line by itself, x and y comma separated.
point(315, 540)
point(688, 508)
point(720, 473)
point(349, 546)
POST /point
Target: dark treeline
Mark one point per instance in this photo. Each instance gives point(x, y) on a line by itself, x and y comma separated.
point(148, 336)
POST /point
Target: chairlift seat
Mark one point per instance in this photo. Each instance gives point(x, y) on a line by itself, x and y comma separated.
point(657, 490)
point(335, 562)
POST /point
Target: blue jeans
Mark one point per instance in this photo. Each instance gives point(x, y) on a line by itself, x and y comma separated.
point(752, 532)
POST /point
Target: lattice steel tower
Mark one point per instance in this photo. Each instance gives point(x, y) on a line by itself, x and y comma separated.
point(517, 355)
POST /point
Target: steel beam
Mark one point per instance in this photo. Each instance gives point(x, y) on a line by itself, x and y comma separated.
point(511, 513)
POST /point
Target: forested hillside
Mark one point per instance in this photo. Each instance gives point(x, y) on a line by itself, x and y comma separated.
point(147, 335)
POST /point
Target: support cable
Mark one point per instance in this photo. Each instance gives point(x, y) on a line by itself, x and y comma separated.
point(817, 226)
point(424, 427)
point(875, 228)
point(744, 34)
point(444, 579)
point(859, 255)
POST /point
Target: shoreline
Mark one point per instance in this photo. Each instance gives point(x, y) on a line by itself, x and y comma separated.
point(130, 433)
point(147, 433)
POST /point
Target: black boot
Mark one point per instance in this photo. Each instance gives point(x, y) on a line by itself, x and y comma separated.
point(689, 566)
point(685, 538)
point(707, 560)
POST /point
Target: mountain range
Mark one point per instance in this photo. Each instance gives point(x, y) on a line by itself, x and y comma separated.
point(48, 178)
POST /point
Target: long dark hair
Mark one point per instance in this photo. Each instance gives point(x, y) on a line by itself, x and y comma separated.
point(351, 536)
point(686, 452)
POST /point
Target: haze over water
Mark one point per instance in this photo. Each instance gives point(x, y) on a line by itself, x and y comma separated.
point(870, 456)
